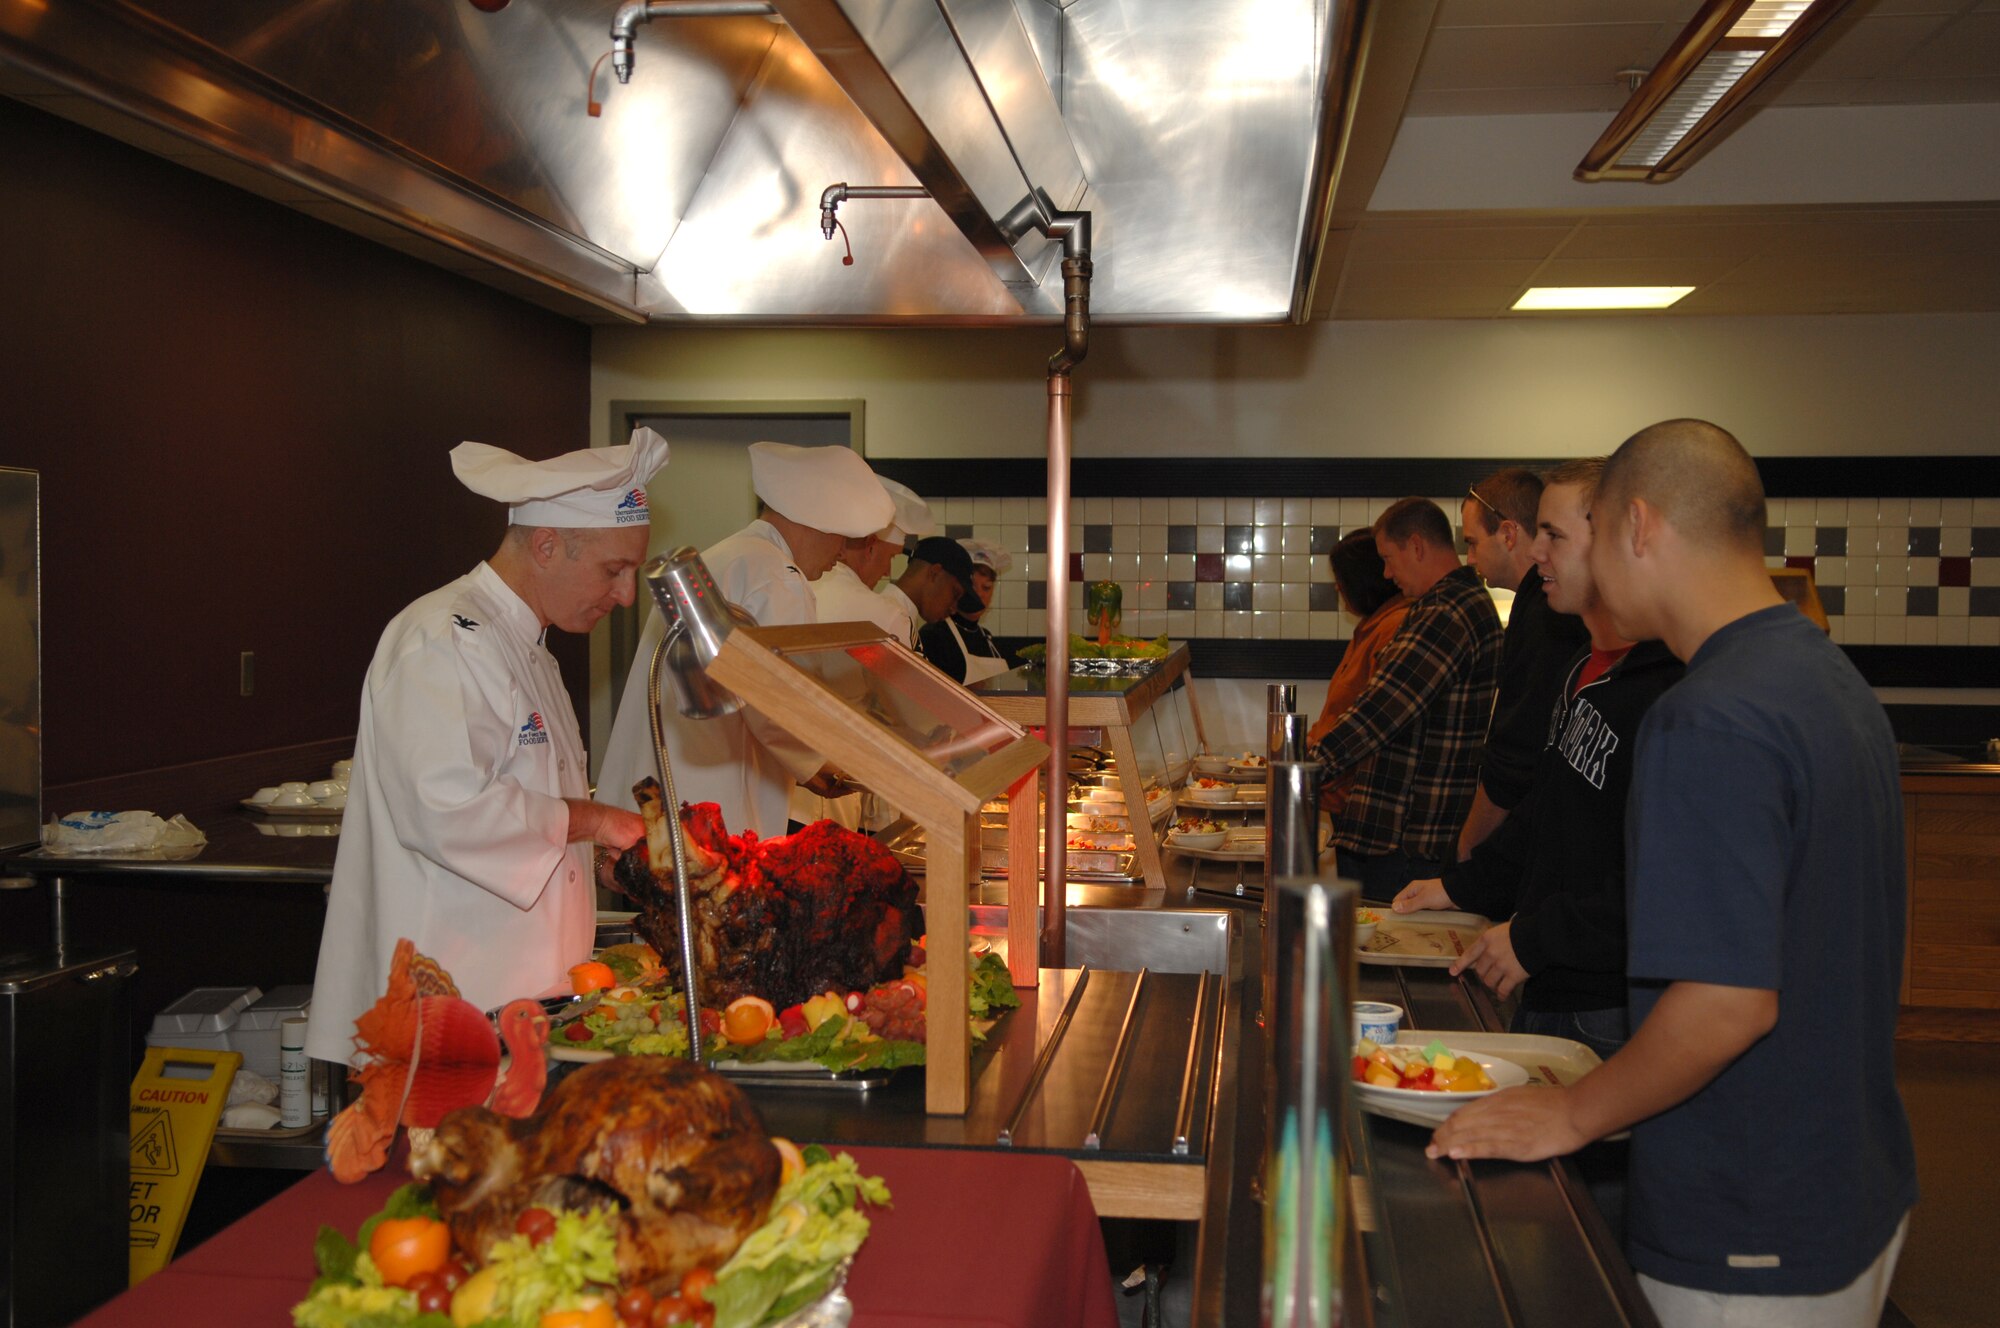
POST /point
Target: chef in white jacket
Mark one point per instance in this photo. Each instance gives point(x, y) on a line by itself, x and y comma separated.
point(849, 593)
point(815, 499)
point(469, 827)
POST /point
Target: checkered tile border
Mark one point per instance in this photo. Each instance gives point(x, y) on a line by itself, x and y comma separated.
point(1893, 571)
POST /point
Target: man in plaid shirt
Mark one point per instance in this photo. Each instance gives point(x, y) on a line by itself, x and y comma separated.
point(1414, 735)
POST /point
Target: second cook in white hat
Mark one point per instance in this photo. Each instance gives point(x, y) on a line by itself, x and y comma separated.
point(815, 499)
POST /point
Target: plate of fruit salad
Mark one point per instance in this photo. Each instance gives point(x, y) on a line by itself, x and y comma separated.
point(1432, 1077)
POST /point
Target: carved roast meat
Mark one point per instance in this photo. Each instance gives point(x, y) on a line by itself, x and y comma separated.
point(784, 919)
point(677, 1150)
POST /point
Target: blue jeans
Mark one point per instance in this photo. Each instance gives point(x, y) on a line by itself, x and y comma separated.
point(1383, 875)
point(1603, 1031)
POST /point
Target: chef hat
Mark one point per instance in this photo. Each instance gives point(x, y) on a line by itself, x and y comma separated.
point(913, 515)
point(597, 487)
point(990, 556)
point(827, 488)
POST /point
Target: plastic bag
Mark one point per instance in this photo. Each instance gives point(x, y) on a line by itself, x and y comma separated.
point(129, 834)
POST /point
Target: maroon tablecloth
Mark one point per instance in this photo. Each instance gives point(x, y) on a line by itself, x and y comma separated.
point(1008, 1240)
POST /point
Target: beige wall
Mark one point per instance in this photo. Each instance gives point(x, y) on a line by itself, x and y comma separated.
point(1853, 385)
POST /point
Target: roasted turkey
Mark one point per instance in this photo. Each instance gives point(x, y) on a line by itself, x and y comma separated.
point(675, 1149)
point(784, 919)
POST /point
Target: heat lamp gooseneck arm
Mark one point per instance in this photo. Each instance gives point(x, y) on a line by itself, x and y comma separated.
point(634, 12)
point(677, 836)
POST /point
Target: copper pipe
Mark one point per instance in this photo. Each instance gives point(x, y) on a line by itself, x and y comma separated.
point(1073, 229)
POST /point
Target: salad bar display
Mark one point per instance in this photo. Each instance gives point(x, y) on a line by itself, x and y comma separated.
point(627, 1007)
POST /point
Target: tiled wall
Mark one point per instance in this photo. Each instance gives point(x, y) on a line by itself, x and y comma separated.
point(1905, 571)
point(1896, 571)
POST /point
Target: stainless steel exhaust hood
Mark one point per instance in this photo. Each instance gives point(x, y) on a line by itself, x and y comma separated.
point(1200, 134)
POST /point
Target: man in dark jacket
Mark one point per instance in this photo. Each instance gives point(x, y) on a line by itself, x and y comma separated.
point(1555, 869)
point(1498, 521)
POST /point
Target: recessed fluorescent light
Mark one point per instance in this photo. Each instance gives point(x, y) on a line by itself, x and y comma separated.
point(1600, 297)
point(1701, 85)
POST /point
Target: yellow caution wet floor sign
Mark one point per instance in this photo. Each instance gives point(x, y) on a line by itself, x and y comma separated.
point(177, 1099)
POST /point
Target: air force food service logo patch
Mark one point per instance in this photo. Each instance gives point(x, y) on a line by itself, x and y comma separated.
point(533, 732)
point(632, 507)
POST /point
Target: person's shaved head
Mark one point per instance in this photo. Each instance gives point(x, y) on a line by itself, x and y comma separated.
point(1696, 476)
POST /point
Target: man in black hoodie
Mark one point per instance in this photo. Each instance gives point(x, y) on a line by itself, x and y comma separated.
point(1555, 868)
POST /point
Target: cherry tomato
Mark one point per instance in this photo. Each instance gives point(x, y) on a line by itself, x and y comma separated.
point(792, 1021)
point(434, 1297)
point(654, 1013)
point(592, 976)
point(537, 1224)
point(747, 1020)
point(577, 1032)
point(404, 1248)
point(695, 1285)
point(635, 1307)
point(668, 1311)
point(711, 1022)
point(452, 1276)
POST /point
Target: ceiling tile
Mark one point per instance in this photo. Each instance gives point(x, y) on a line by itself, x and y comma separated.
point(1606, 96)
point(1632, 271)
point(1966, 48)
point(1433, 302)
point(1601, 238)
point(1446, 272)
point(1518, 13)
point(1868, 47)
point(1536, 57)
point(1376, 243)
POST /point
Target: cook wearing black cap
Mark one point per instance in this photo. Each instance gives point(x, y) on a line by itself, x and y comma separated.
point(960, 646)
point(938, 580)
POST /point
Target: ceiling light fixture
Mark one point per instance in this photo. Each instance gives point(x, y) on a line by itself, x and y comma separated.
point(1719, 59)
point(1547, 299)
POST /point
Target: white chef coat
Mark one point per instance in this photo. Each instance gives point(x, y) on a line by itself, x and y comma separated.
point(841, 597)
point(456, 831)
point(743, 762)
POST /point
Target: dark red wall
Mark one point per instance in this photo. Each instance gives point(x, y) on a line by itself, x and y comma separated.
point(241, 417)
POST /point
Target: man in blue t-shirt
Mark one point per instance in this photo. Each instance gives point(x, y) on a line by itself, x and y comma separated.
point(1772, 1171)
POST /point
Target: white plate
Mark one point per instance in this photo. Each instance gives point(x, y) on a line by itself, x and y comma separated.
point(1436, 1106)
point(1206, 839)
point(1248, 765)
point(1195, 793)
point(315, 810)
point(1249, 793)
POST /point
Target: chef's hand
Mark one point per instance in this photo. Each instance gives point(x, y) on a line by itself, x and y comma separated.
point(829, 783)
point(1526, 1124)
point(1422, 894)
point(599, 823)
point(1492, 957)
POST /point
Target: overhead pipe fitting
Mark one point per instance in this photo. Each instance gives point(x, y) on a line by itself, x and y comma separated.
point(634, 12)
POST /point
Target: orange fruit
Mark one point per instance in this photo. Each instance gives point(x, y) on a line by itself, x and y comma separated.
point(747, 1019)
point(592, 976)
point(792, 1163)
point(590, 1312)
point(405, 1248)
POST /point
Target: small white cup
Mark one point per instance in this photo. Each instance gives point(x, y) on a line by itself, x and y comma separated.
point(292, 798)
point(1377, 1021)
point(321, 790)
point(264, 795)
point(343, 770)
point(293, 786)
point(335, 802)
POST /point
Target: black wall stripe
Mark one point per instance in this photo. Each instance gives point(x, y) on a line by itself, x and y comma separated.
point(1882, 666)
point(1337, 477)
